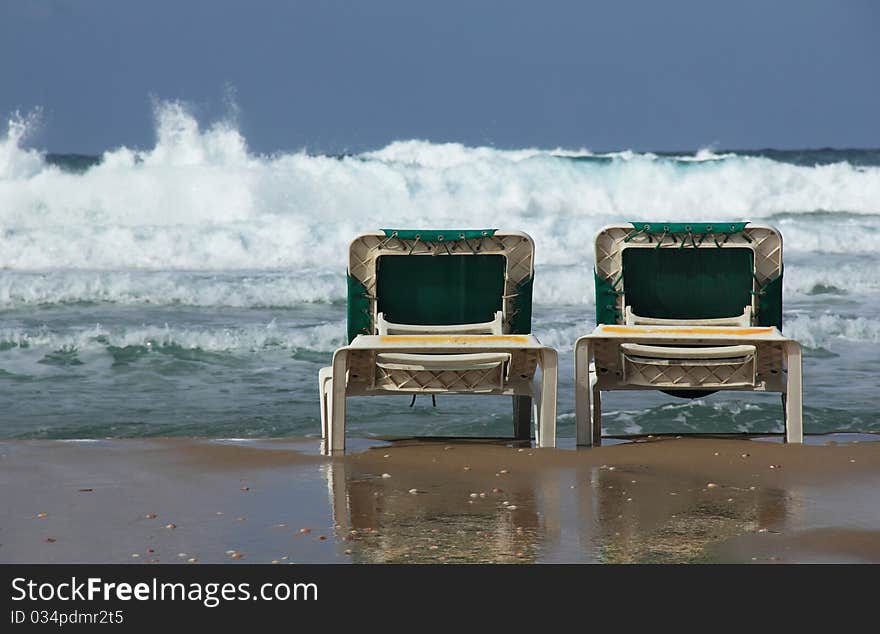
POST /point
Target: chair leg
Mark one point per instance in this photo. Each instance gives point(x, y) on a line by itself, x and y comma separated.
point(336, 435)
point(324, 376)
point(582, 393)
point(597, 417)
point(325, 387)
point(548, 360)
point(522, 413)
point(793, 405)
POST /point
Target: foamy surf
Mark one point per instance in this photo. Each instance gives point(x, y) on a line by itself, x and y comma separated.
point(237, 289)
point(195, 287)
point(248, 339)
point(199, 200)
point(813, 331)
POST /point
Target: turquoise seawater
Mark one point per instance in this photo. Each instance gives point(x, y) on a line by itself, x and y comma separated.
point(195, 288)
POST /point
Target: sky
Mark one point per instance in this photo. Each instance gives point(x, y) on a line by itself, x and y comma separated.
point(332, 76)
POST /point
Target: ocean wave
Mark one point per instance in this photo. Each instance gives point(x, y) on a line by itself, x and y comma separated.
point(694, 415)
point(200, 200)
point(830, 276)
point(810, 279)
point(252, 289)
point(818, 331)
point(812, 331)
point(324, 337)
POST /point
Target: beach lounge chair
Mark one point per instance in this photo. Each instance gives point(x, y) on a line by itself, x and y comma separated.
point(688, 309)
point(434, 312)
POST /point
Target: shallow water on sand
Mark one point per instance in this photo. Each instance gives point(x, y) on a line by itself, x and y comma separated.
point(659, 501)
point(109, 370)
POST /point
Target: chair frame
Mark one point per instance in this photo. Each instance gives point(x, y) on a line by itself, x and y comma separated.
point(472, 359)
point(694, 354)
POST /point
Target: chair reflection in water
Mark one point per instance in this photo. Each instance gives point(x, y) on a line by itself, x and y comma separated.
point(576, 511)
point(441, 312)
point(688, 309)
point(378, 520)
point(628, 516)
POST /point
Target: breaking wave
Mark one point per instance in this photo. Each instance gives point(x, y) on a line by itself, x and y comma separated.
point(200, 200)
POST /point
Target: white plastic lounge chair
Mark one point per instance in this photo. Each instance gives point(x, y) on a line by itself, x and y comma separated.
point(688, 309)
point(432, 312)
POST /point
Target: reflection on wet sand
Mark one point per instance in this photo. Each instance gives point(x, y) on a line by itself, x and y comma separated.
point(670, 500)
point(379, 521)
point(641, 518)
point(501, 504)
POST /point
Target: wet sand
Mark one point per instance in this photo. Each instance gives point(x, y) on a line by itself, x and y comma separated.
point(676, 500)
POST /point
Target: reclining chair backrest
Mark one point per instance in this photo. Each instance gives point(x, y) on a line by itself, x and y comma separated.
point(440, 278)
point(689, 272)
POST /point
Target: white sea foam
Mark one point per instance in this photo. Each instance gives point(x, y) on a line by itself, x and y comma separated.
point(250, 289)
point(442, 156)
point(15, 161)
point(324, 337)
point(813, 331)
point(816, 331)
point(558, 285)
point(827, 276)
point(199, 200)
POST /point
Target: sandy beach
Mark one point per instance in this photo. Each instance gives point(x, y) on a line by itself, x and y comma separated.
point(665, 499)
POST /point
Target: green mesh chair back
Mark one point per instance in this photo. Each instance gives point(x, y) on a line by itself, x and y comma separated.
point(688, 283)
point(440, 278)
point(689, 271)
point(440, 291)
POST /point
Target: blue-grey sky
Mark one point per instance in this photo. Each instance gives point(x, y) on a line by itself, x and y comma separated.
point(334, 76)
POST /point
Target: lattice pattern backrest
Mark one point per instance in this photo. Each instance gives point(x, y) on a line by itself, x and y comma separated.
point(764, 242)
point(516, 248)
